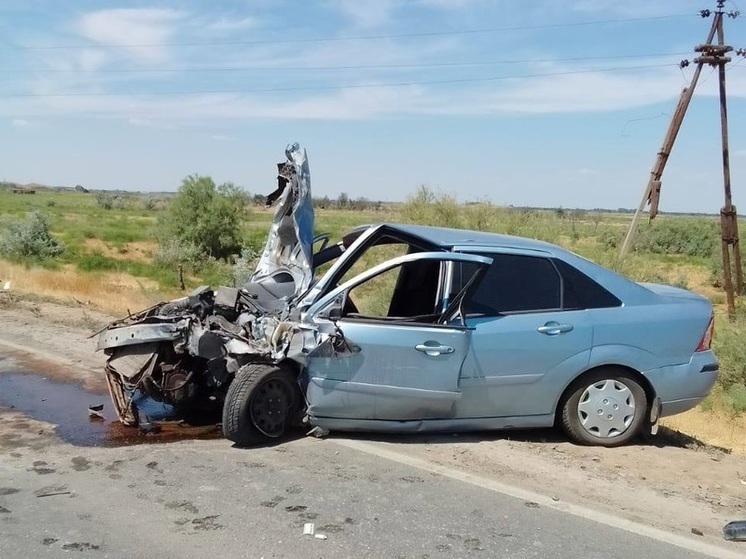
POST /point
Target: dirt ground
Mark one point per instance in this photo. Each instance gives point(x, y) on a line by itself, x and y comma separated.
point(670, 481)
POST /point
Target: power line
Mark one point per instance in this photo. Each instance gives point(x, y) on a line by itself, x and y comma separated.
point(350, 67)
point(352, 38)
point(334, 87)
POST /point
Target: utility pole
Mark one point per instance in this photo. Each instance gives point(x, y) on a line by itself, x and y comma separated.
point(728, 213)
point(714, 55)
point(651, 195)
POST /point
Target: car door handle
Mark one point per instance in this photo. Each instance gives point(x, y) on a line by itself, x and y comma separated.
point(434, 350)
point(554, 328)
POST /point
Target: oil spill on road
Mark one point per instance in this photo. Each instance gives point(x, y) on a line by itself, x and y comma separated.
point(66, 406)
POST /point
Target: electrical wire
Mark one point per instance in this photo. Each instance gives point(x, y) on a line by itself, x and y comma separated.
point(350, 38)
point(349, 67)
point(335, 87)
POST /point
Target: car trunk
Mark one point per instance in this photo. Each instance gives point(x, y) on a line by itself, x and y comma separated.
point(675, 293)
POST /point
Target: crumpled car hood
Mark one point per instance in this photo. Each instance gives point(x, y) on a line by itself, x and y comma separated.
point(289, 246)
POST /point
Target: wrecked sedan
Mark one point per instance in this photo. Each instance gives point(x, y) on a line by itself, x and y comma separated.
point(413, 328)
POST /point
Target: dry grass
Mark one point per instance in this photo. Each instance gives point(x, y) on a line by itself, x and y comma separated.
point(110, 291)
point(137, 251)
point(713, 427)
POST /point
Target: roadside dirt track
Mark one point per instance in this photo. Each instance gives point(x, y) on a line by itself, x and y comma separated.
point(670, 481)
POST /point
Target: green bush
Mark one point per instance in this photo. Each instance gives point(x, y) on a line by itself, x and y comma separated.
point(171, 254)
point(427, 207)
point(731, 351)
point(244, 266)
point(692, 237)
point(206, 216)
point(735, 398)
point(29, 239)
point(106, 201)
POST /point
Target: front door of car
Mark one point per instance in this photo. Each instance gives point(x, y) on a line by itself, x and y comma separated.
point(526, 342)
point(398, 360)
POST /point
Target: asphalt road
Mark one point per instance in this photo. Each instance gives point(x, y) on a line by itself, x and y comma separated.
point(204, 498)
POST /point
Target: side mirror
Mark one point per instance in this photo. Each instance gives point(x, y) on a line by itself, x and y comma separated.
point(335, 313)
point(333, 309)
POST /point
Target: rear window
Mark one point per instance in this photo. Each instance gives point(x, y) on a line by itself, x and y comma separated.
point(515, 283)
point(518, 283)
point(581, 292)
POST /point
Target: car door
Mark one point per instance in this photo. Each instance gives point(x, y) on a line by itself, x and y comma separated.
point(526, 344)
point(389, 367)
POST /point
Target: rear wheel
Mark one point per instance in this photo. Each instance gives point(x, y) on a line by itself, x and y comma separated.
point(261, 403)
point(604, 408)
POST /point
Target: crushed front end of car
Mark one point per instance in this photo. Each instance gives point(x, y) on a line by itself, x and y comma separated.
point(184, 353)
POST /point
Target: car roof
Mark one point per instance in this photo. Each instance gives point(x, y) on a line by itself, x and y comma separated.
point(622, 287)
point(447, 238)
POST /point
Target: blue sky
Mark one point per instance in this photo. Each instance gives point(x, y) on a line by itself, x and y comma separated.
point(137, 95)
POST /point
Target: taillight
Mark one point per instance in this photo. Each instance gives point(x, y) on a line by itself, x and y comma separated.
point(706, 342)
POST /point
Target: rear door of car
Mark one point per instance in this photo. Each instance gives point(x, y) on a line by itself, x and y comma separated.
point(528, 340)
point(401, 367)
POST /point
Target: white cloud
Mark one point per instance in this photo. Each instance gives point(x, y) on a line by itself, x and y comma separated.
point(634, 8)
point(552, 94)
point(585, 172)
point(125, 26)
point(150, 123)
point(91, 59)
point(134, 121)
point(231, 24)
point(23, 123)
point(447, 4)
point(367, 14)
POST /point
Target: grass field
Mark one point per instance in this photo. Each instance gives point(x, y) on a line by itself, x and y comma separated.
point(110, 260)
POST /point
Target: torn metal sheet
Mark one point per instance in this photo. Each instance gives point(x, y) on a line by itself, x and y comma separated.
point(289, 245)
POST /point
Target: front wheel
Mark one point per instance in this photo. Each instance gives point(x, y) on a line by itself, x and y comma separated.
point(260, 404)
point(604, 408)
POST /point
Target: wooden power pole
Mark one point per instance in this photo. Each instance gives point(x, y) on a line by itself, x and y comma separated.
point(714, 55)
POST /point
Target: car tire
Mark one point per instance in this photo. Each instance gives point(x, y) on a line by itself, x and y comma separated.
point(262, 401)
point(604, 408)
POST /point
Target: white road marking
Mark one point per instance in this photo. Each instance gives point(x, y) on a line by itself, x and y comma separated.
point(543, 500)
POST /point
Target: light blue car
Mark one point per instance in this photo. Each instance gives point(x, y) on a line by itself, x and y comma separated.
point(406, 328)
point(477, 331)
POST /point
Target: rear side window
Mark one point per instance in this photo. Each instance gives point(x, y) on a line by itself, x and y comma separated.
point(581, 292)
point(515, 283)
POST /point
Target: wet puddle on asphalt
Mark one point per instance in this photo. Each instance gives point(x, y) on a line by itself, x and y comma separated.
point(66, 406)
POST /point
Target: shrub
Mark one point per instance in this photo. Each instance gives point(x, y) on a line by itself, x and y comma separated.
point(731, 351)
point(171, 253)
point(427, 207)
point(29, 239)
point(106, 201)
point(735, 398)
point(417, 207)
point(205, 216)
point(244, 266)
point(692, 237)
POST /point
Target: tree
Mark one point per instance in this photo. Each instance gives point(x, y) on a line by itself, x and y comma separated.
point(206, 216)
